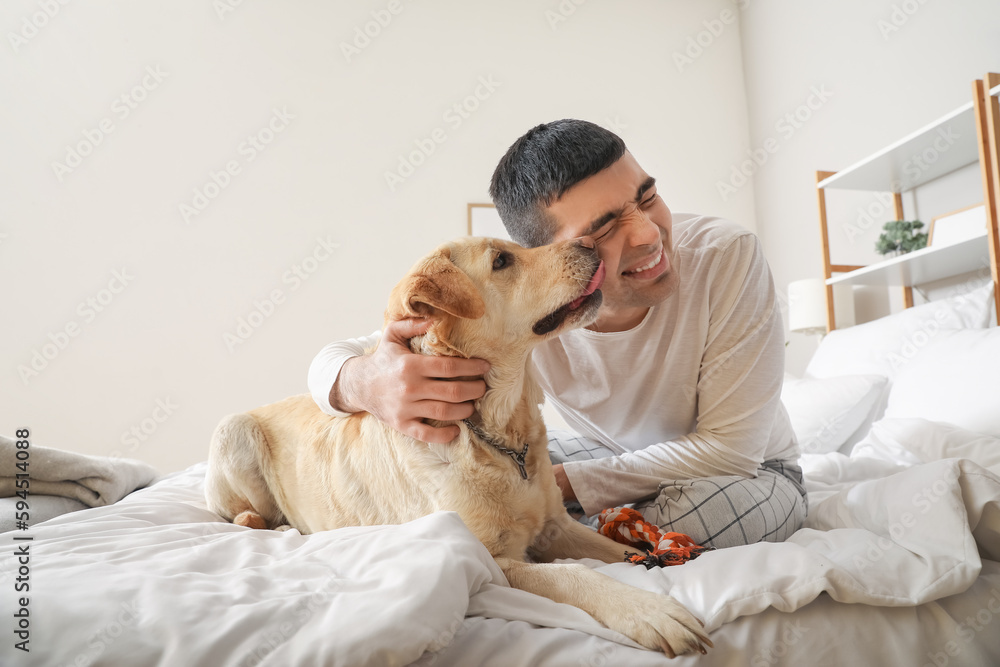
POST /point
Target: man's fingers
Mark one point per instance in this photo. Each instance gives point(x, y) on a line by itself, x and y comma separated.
point(456, 367)
point(455, 391)
point(405, 389)
point(443, 411)
point(427, 433)
point(403, 330)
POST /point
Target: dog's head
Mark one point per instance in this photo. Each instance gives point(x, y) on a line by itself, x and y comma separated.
point(488, 297)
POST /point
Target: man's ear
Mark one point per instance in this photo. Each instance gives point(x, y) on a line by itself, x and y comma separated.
point(434, 286)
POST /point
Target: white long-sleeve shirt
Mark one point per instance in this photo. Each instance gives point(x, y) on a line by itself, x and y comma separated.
point(691, 391)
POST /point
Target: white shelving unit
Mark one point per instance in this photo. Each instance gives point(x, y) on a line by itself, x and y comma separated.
point(921, 266)
point(967, 135)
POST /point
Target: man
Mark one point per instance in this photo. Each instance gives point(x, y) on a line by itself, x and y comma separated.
point(674, 390)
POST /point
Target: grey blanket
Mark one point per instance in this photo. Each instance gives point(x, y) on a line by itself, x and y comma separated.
point(92, 480)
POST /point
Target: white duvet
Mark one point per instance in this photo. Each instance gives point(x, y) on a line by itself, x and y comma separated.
point(158, 579)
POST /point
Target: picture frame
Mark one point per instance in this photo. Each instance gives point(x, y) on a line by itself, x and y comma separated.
point(956, 226)
point(485, 221)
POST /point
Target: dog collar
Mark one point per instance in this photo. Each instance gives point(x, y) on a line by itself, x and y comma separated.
point(518, 457)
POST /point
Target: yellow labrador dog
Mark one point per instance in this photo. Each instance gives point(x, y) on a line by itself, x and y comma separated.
point(290, 463)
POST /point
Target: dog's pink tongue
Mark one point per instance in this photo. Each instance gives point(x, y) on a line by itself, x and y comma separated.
point(595, 284)
point(597, 280)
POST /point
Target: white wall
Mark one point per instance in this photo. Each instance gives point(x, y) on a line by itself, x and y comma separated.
point(889, 67)
point(150, 355)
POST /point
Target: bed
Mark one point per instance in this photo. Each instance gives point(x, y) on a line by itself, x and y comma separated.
point(898, 564)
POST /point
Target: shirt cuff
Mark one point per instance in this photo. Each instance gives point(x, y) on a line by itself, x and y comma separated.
point(589, 497)
point(322, 374)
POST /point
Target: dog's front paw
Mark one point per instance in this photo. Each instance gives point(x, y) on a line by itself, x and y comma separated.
point(657, 622)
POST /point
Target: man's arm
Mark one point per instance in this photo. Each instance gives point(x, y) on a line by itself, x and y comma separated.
point(395, 385)
point(324, 372)
point(739, 394)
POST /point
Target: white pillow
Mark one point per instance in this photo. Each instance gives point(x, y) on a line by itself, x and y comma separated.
point(954, 379)
point(883, 346)
point(826, 412)
point(912, 441)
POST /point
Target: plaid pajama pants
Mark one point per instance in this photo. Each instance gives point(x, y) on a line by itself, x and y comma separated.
point(723, 511)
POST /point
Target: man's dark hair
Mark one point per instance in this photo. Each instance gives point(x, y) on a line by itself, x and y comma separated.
point(541, 166)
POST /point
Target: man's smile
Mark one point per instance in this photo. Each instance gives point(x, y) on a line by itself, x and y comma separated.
point(652, 268)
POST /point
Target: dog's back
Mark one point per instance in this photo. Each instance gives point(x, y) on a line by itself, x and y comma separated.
point(290, 463)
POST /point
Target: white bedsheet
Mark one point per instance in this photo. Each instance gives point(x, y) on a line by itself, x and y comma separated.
point(158, 579)
point(891, 535)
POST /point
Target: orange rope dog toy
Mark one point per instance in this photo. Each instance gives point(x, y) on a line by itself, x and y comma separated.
point(626, 526)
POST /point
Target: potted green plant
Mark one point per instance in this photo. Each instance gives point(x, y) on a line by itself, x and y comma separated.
point(900, 237)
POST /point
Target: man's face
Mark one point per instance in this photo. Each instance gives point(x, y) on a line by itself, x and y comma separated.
point(620, 209)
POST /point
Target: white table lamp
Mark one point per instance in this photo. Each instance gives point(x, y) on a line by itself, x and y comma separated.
point(807, 306)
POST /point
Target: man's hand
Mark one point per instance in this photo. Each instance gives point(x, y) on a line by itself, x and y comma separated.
point(403, 389)
point(562, 481)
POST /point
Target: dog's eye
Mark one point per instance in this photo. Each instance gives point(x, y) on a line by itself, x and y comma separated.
point(502, 261)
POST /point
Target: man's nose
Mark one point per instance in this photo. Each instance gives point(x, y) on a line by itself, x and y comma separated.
point(640, 228)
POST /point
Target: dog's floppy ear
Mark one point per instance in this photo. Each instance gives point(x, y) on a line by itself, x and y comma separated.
point(433, 286)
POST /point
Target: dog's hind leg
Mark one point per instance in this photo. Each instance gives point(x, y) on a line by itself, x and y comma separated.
point(235, 484)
